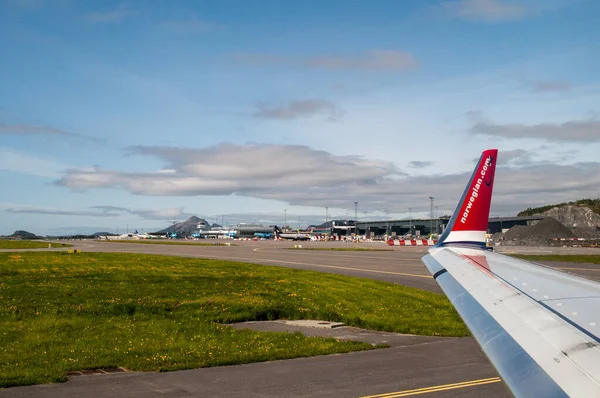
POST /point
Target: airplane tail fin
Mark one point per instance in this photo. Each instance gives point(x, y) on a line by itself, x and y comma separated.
point(137, 232)
point(469, 222)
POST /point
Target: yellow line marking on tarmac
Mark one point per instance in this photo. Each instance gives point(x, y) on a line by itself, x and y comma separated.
point(444, 387)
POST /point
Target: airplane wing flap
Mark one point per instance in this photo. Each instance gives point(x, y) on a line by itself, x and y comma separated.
point(529, 277)
point(574, 299)
point(513, 327)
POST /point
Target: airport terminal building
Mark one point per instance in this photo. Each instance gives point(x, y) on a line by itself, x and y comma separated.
point(427, 226)
point(375, 228)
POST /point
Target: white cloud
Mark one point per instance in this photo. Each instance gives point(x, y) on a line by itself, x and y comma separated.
point(58, 212)
point(105, 211)
point(301, 176)
point(375, 60)
point(571, 131)
point(253, 170)
point(299, 109)
point(551, 87)
point(149, 214)
point(28, 129)
point(484, 10)
point(518, 157)
point(117, 14)
point(420, 164)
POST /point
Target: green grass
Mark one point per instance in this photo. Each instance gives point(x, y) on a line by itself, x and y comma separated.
point(63, 312)
point(568, 258)
point(28, 244)
point(344, 249)
point(167, 242)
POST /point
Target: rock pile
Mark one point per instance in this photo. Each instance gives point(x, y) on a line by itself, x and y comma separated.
point(515, 232)
point(544, 232)
point(548, 228)
point(574, 216)
point(561, 222)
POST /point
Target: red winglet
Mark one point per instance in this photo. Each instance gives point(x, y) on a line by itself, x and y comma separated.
point(470, 219)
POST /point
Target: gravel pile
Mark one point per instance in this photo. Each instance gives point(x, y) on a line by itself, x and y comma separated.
point(515, 232)
point(587, 232)
point(543, 233)
point(547, 228)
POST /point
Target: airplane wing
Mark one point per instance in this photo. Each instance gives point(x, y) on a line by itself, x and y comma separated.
point(539, 327)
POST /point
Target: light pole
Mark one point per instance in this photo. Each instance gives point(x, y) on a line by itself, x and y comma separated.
point(284, 218)
point(431, 198)
point(355, 218)
point(326, 215)
point(387, 224)
point(410, 221)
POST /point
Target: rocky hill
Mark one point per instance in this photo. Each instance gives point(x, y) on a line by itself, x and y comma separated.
point(562, 221)
point(575, 216)
point(185, 227)
point(24, 235)
point(582, 216)
point(591, 204)
point(581, 220)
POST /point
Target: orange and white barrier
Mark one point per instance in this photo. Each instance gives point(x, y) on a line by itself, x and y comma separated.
point(411, 242)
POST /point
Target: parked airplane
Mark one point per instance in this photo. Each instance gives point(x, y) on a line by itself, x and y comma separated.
point(538, 326)
point(291, 235)
point(294, 236)
point(135, 235)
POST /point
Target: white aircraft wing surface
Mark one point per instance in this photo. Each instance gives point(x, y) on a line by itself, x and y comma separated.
point(538, 326)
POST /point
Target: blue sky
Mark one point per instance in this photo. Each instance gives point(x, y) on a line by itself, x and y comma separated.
point(116, 114)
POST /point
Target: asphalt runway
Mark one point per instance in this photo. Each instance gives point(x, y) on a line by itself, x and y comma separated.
point(413, 365)
point(390, 265)
point(394, 264)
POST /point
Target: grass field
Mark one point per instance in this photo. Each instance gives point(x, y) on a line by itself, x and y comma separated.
point(568, 258)
point(28, 244)
point(167, 242)
point(63, 312)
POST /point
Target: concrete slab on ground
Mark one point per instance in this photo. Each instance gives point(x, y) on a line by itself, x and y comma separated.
point(343, 333)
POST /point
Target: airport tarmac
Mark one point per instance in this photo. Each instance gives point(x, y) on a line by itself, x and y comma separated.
point(413, 365)
point(390, 265)
point(394, 264)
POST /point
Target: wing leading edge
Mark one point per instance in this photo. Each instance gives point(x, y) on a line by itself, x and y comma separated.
point(539, 327)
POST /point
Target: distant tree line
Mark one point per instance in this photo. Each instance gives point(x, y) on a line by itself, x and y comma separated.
point(593, 204)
